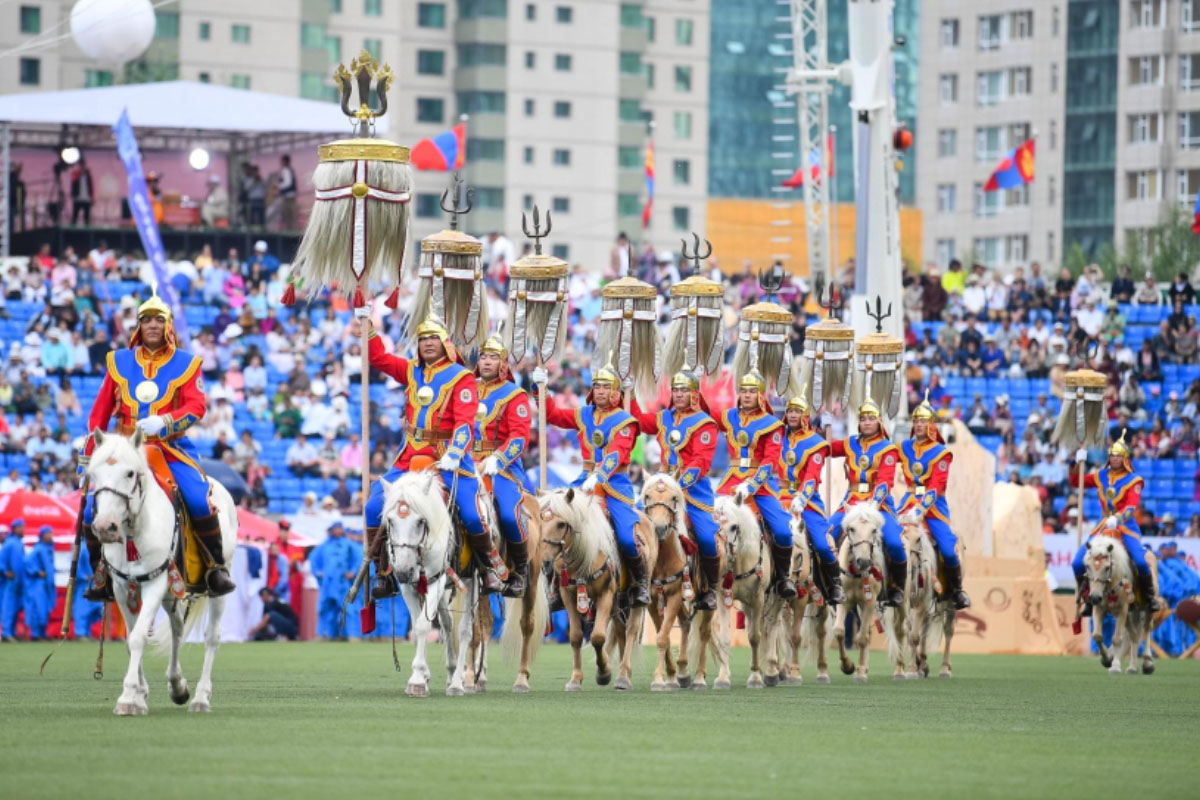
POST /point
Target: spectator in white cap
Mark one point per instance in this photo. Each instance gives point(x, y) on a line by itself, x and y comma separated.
point(215, 210)
point(269, 262)
point(1168, 525)
point(1090, 318)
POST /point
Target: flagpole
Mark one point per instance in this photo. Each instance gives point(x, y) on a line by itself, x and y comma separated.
point(833, 265)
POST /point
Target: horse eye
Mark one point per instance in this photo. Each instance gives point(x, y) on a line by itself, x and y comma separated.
point(129, 474)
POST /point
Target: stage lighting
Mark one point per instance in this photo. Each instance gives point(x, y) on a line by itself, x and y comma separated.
point(70, 155)
point(198, 159)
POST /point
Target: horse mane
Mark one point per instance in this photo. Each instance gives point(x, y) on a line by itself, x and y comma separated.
point(121, 448)
point(742, 517)
point(415, 489)
point(1120, 556)
point(593, 532)
point(867, 512)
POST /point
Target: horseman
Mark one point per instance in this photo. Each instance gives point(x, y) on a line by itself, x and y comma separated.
point(440, 417)
point(755, 441)
point(871, 469)
point(688, 438)
point(805, 453)
point(157, 388)
point(607, 434)
point(1119, 489)
point(926, 464)
point(502, 425)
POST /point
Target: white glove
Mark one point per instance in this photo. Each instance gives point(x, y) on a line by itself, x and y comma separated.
point(363, 312)
point(491, 465)
point(1110, 524)
point(742, 491)
point(153, 425)
point(910, 518)
point(589, 486)
point(449, 463)
point(540, 376)
point(1081, 455)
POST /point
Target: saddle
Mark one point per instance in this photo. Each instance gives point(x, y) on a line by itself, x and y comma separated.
point(189, 552)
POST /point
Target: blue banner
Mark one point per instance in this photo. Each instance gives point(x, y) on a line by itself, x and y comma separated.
point(143, 215)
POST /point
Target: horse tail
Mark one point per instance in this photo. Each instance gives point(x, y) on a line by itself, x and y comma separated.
point(160, 636)
point(808, 636)
point(512, 637)
point(894, 637)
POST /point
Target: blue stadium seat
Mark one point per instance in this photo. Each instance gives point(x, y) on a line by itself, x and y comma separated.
point(1184, 489)
point(1162, 469)
point(1185, 468)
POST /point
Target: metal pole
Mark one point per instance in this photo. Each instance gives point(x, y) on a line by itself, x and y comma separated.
point(6, 223)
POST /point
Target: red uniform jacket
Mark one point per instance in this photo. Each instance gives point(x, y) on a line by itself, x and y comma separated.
point(504, 421)
point(621, 443)
point(878, 474)
point(697, 442)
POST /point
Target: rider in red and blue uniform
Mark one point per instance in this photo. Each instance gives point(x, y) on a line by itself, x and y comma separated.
point(688, 438)
point(157, 388)
point(1119, 489)
point(871, 461)
point(926, 464)
point(755, 441)
point(502, 427)
point(440, 417)
point(607, 434)
point(804, 454)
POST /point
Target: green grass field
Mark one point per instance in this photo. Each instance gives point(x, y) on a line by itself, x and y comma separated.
point(330, 720)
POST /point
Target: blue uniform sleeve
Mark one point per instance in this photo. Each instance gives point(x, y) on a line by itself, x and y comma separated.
point(928, 499)
point(511, 453)
point(689, 477)
point(460, 441)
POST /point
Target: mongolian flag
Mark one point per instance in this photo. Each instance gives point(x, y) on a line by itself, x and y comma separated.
point(444, 152)
point(649, 184)
point(814, 165)
point(1015, 170)
point(1196, 215)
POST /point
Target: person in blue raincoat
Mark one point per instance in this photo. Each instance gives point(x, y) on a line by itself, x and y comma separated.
point(1176, 581)
point(39, 584)
point(333, 565)
point(353, 615)
point(12, 567)
point(86, 612)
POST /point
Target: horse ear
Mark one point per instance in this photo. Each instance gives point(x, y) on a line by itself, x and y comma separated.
point(570, 495)
point(1110, 547)
point(98, 437)
point(737, 499)
point(137, 439)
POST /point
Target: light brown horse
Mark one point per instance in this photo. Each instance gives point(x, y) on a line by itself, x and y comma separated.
point(784, 619)
point(749, 568)
point(862, 558)
point(928, 615)
point(575, 527)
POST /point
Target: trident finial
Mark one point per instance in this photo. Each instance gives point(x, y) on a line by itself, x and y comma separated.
point(770, 280)
point(538, 233)
point(835, 302)
point(878, 315)
point(363, 69)
point(697, 255)
point(468, 196)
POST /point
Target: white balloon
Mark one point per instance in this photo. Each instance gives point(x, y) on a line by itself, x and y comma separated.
point(113, 31)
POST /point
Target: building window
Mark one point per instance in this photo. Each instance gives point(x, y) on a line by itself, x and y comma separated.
point(949, 33)
point(1189, 72)
point(333, 46)
point(628, 205)
point(336, 6)
point(479, 54)
point(945, 251)
point(476, 9)
point(562, 62)
point(561, 251)
point(31, 19)
point(485, 149)
point(561, 205)
point(489, 197)
point(312, 36)
point(166, 25)
point(629, 157)
point(948, 88)
point(651, 29)
point(31, 72)
point(431, 109)
point(530, 12)
point(529, 108)
point(1144, 129)
point(991, 32)
point(562, 109)
point(681, 218)
point(947, 143)
point(204, 77)
point(563, 14)
point(1189, 130)
point(682, 169)
point(562, 157)
point(240, 34)
point(1050, 234)
point(528, 155)
point(239, 81)
point(683, 124)
point(1053, 76)
point(1022, 25)
point(629, 110)
point(313, 87)
point(989, 143)
point(1053, 134)
point(1145, 13)
point(631, 16)
point(648, 69)
point(481, 102)
point(1051, 192)
point(991, 87)
point(431, 62)
point(1147, 70)
point(97, 77)
point(373, 8)
point(431, 15)
point(1020, 80)
point(630, 63)
point(527, 202)
point(683, 32)
point(530, 59)
point(683, 79)
point(374, 47)
point(1187, 16)
point(205, 31)
point(1187, 184)
point(947, 197)
point(1144, 185)
point(1054, 23)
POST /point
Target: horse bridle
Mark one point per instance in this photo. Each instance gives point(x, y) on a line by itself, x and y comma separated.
point(128, 499)
point(870, 543)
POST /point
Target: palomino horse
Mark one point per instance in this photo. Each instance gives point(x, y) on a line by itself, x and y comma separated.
point(666, 507)
point(1111, 590)
point(785, 618)
point(574, 523)
point(523, 632)
point(928, 615)
point(749, 563)
point(419, 531)
point(861, 556)
point(131, 507)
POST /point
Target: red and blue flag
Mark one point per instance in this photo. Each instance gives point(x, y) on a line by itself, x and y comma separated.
point(1015, 170)
point(444, 152)
point(649, 207)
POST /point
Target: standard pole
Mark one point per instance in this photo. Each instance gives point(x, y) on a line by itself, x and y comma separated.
point(365, 410)
point(541, 398)
point(1079, 526)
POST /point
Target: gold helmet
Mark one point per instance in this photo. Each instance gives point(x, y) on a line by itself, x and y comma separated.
point(1120, 448)
point(753, 380)
point(685, 380)
point(870, 409)
point(800, 403)
point(155, 306)
point(607, 375)
point(924, 410)
point(433, 326)
point(494, 345)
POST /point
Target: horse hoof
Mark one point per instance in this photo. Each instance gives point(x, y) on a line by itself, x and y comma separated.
point(657, 686)
point(754, 682)
point(946, 674)
point(925, 672)
point(899, 676)
point(481, 687)
point(685, 681)
point(573, 686)
point(129, 710)
point(1106, 661)
point(520, 688)
point(623, 684)
point(771, 680)
point(913, 676)
point(722, 686)
point(181, 698)
point(603, 678)
point(417, 690)
point(860, 678)
point(796, 681)
point(1115, 669)
point(1131, 670)
point(700, 685)
point(199, 708)
point(847, 669)
point(671, 686)
point(455, 691)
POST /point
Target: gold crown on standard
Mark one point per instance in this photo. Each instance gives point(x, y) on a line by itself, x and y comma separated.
point(607, 374)
point(799, 403)
point(869, 409)
point(924, 410)
point(685, 380)
point(753, 380)
point(1120, 448)
point(155, 306)
point(495, 345)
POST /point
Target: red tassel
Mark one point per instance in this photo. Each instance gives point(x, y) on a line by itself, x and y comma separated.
point(422, 585)
point(727, 583)
point(689, 547)
point(393, 301)
point(289, 295)
point(366, 617)
point(801, 592)
point(359, 302)
point(1077, 627)
point(879, 624)
point(131, 551)
point(876, 574)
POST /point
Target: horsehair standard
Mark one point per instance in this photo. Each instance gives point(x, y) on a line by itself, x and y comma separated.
point(764, 343)
point(629, 328)
point(878, 358)
point(1081, 420)
point(696, 336)
point(824, 371)
point(593, 533)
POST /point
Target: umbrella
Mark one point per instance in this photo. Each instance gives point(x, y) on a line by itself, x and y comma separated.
point(227, 476)
point(38, 509)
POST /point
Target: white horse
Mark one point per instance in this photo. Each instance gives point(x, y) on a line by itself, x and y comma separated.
point(785, 618)
point(418, 526)
point(928, 616)
point(749, 559)
point(861, 556)
point(1110, 575)
point(129, 504)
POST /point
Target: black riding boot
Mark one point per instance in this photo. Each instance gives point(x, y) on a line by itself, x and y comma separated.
point(518, 576)
point(99, 588)
point(893, 593)
point(639, 591)
point(781, 569)
point(1146, 589)
point(481, 548)
point(833, 583)
point(385, 583)
point(954, 587)
point(208, 531)
point(710, 568)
